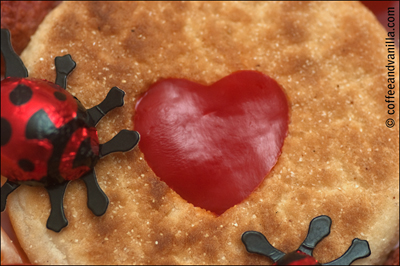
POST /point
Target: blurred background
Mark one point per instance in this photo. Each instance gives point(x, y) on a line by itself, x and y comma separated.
point(379, 8)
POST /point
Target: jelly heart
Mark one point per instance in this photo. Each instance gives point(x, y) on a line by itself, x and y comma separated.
point(213, 144)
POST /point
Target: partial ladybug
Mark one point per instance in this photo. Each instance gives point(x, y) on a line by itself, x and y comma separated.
point(48, 137)
point(320, 227)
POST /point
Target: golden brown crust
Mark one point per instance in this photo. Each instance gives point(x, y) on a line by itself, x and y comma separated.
point(339, 158)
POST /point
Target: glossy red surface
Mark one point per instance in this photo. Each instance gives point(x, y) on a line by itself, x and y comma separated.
point(213, 144)
point(297, 258)
point(66, 168)
point(38, 151)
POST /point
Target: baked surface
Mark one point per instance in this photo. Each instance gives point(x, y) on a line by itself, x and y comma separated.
point(339, 158)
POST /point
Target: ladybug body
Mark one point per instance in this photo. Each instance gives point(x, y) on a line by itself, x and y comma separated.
point(48, 138)
point(44, 119)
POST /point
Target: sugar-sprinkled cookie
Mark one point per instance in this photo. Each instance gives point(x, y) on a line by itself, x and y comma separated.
point(338, 158)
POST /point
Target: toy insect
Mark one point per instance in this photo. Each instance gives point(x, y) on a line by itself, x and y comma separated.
point(48, 138)
point(319, 228)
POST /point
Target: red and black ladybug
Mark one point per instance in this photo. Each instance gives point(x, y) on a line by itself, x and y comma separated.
point(48, 138)
point(319, 228)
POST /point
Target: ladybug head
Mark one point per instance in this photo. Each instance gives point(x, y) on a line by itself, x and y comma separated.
point(319, 228)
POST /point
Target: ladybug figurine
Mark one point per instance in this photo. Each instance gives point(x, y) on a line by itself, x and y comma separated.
point(319, 228)
point(49, 139)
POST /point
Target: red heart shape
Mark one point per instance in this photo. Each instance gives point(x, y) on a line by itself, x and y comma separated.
point(213, 144)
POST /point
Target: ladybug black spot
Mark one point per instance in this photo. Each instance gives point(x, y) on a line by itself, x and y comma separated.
point(20, 95)
point(39, 126)
point(5, 131)
point(60, 96)
point(26, 165)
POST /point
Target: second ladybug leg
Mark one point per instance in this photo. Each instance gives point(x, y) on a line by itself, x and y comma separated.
point(255, 242)
point(125, 140)
point(6, 189)
point(97, 200)
point(114, 98)
point(14, 65)
point(64, 66)
point(358, 249)
point(57, 220)
point(319, 228)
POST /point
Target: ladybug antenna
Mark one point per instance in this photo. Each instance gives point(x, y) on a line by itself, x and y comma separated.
point(358, 249)
point(14, 65)
point(64, 66)
point(6, 189)
point(319, 228)
point(256, 242)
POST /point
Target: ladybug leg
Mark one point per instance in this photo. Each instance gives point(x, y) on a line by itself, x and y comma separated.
point(114, 98)
point(57, 220)
point(125, 140)
point(64, 66)
point(97, 199)
point(319, 228)
point(6, 189)
point(358, 249)
point(256, 242)
point(14, 65)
